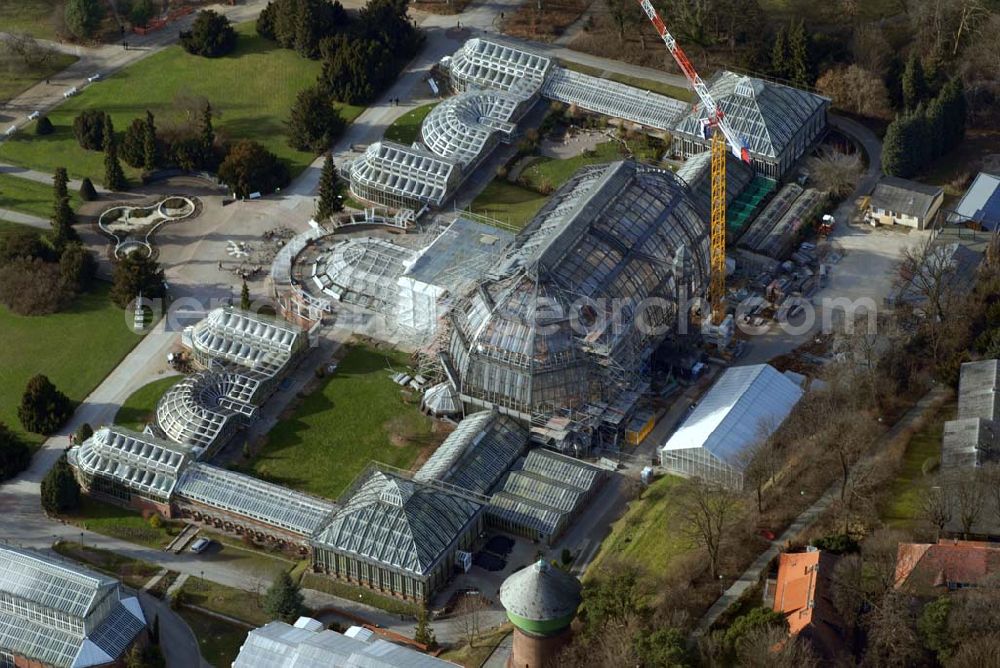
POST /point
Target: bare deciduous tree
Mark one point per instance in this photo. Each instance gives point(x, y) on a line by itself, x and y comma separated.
point(855, 89)
point(774, 648)
point(936, 507)
point(968, 493)
point(709, 510)
point(27, 48)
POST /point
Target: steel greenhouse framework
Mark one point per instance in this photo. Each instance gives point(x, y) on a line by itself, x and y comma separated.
point(745, 405)
point(57, 613)
point(778, 122)
point(398, 535)
point(363, 272)
point(611, 237)
point(406, 177)
point(249, 497)
point(204, 410)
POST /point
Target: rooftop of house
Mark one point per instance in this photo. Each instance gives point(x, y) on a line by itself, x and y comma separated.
point(802, 594)
point(924, 568)
point(906, 197)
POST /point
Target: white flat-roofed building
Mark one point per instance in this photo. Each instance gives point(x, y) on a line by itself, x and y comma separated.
point(743, 407)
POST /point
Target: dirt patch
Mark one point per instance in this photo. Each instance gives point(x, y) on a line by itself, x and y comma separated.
point(546, 24)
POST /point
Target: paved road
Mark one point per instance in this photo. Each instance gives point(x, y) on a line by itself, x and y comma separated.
point(752, 575)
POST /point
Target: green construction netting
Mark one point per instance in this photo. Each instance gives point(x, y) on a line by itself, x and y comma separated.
point(741, 210)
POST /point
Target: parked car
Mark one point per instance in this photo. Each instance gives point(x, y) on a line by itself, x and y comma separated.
point(200, 545)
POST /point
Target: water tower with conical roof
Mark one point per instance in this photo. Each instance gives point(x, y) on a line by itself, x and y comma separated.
point(541, 601)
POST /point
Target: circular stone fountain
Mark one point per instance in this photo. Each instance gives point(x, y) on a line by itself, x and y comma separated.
point(132, 226)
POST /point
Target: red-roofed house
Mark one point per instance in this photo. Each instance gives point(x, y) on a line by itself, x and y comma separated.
point(802, 594)
point(925, 569)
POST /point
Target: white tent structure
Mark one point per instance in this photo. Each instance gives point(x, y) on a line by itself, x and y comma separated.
point(746, 404)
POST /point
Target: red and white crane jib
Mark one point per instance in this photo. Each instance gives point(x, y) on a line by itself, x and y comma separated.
point(712, 110)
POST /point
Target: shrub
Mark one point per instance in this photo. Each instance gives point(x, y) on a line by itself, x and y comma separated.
point(930, 465)
point(313, 123)
point(44, 126)
point(838, 543)
point(211, 35)
point(31, 286)
point(133, 143)
point(77, 267)
point(43, 408)
point(60, 492)
point(88, 193)
point(135, 273)
point(83, 17)
point(83, 432)
point(21, 243)
point(249, 167)
point(156, 521)
point(14, 454)
point(141, 12)
point(88, 128)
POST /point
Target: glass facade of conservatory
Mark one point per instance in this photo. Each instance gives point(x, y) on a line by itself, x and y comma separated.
point(203, 410)
point(257, 342)
point(466, 127)
point(482, 64)
point(778, 123)
point(610, 98)
point(398, 536)
point(551, 325)
point(403, 176)
point(120, 464)
point(56, 613)
point(364, 272)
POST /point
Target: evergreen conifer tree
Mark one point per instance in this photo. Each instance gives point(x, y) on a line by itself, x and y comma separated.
point(114, 177)
point(330, 201)
point(283, 601)
point(149, 156)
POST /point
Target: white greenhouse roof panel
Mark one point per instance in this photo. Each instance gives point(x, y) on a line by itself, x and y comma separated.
point(408, 172)
point(462, 127)
point(614, 99)
point(487, 63)
point(766, 115)
point(251, 340)
point(199, 407)
point(401, 524)
point(280, 645)
point(744, 405)
point(253, 498)
point(141, 462)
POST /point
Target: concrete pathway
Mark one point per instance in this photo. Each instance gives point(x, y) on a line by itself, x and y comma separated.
point(154, 580)
point(12, 216)
point(501, 655)
point(753, 574)
point(177, 640)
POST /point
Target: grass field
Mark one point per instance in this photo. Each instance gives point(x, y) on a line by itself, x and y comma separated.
point(235, 603)
point(16, 77)
point(76, 349)
point(218, 640)
point(406, 128)
point(902, 508)
point(647, 534)
point(475, 656)
point(508, 203)
point(252, 91)
point(360, 594)
point(133, 572)
point(122, 523)
point(31, 197)
point(31, 16)
point(663, 88)
point(358, 415)
point(140, 407)
point(6, 227)
point(554, 173)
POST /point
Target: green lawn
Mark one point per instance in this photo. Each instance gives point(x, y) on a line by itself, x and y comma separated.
point(358, 415)
point(16, 77)
point(252, 91)
point(134, 572)
point(677, 92)
point(140, 408)
point(6, 227)
point(31, 16)
point(361, 594)
point(406, 128)
point(902, 509)
point(508, 203)
point(550, 172)
point(31, 197)
point(121, 523)
point(235, 603)
point(219, 641)
point(76, 349)
point(648, 533)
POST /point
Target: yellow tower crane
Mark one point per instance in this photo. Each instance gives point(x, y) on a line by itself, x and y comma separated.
point(722, 134)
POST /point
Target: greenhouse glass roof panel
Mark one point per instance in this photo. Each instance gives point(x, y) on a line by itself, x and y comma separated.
point(486, 63)
point(250, 340)
point(611, 98)
point(141, 462)
point(254, 498)
point(765, 115)
point(405, 171)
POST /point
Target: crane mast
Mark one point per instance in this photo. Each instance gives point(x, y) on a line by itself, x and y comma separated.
point(722, 134)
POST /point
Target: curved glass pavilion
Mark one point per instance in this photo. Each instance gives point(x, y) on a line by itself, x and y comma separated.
point(403, 176)
point(467, 126)
point(778, 122)
point(204, 409)
point(590, 287)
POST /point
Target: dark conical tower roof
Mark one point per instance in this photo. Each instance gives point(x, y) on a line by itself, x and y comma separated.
point(540, 593)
